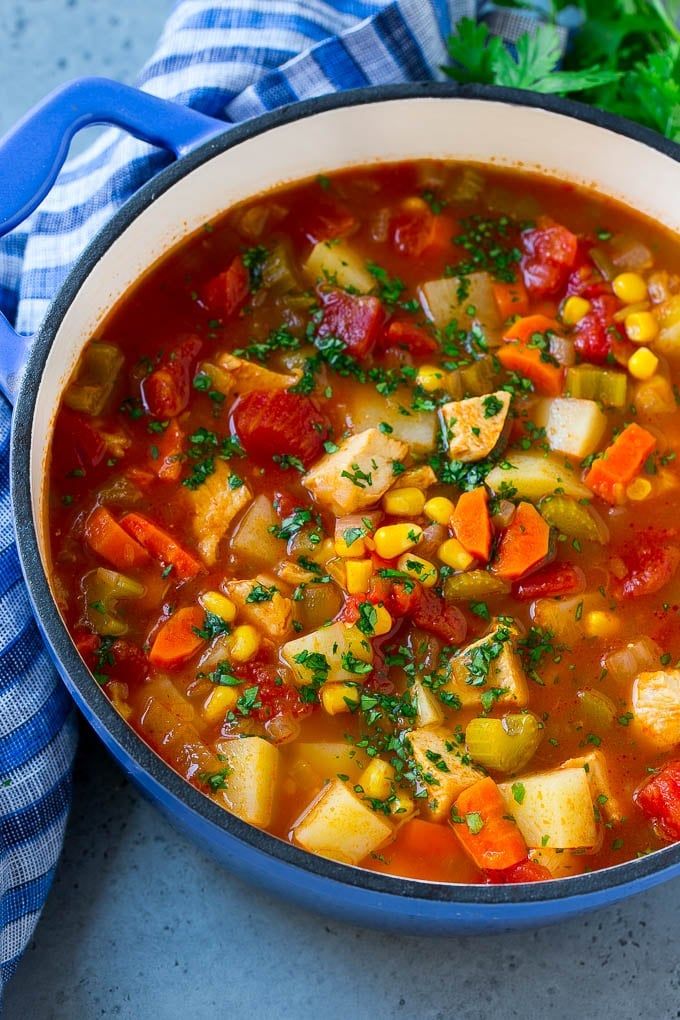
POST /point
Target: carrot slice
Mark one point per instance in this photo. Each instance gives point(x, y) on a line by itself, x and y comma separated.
point(161, 545)
point(109, 541)
point(471, 523)
point(525, 544)
point(486, 832)
point(620, 464)
point(526, 327)
point(177, 639)
point(511, 299)
point(426, 850)
point(529, 362)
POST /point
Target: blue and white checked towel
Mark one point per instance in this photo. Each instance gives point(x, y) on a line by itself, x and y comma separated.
point(232, 59)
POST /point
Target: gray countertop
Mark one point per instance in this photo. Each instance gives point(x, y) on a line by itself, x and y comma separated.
point(140, 923)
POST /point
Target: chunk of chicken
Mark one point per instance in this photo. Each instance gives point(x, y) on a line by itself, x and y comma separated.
point(260, 603)
point(358, 474)
point(215, 504)
point(440, 767)
point(594, 765)
point(235, 376)
point(656, 704)
point(490, 663)
point(419, 477)
point(473, 427)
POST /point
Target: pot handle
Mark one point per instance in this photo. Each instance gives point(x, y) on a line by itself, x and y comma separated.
point(33, 152)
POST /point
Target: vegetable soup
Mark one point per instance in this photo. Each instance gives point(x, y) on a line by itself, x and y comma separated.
point(363, 513)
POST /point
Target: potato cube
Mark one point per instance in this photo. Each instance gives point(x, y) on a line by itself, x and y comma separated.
point(556, 809)
point(468, 300)
point(428, 705)
point(656, 705)
point(330, 759)
point(250, 783)
point(365, 408)
point(493, 660)
point(474, 426)
point(336, 262)
point(533, 476)
point(358, 474)
point(594, 764)
point(340, 826)
point(253, 543)
point(572, 426)
point(332, 654)
point(440, 767)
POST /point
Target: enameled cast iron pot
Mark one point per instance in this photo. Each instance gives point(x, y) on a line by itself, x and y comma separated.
point(215, 168)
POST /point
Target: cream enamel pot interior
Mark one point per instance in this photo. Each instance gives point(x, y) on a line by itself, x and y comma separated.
point(562, 140)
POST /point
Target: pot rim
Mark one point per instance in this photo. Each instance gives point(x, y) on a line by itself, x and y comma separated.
point(635, 873)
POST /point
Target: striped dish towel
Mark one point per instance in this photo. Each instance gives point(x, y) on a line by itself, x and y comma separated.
point(232, 59)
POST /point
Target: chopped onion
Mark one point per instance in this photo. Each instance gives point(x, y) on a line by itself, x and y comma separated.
point(562, 350)
point(630, 254)
point(432, 538)
point(603, 262)
point(380, 224)
point(504, 514)
point(282, 729)
point(637, 656)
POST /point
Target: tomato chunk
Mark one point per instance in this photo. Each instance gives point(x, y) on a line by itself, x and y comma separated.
point(415, 231)
point(79, 441)
point(166, 391)
point(523, 871)
point(597, 330)
point(278, 423)
point(550, 252)
point(407, 335)
point(650, 561)
point(325, 220)
point(355, 319)
point(659, 800)
point(551, 581)
point(428, 611)
point(224, 294)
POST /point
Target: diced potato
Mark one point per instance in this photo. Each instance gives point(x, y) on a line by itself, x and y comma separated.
point(236, 376)
point(215, 505)
point(253, 542)
point(594, 764)
point(560, 863)
point(336, 262)
point(366, 408)
point(466, 300)
point(358, 474)
point(505, 672)
point(656, 704)
point(556, 809)
point(428, 705)
point(331, 759)
point(535, 475)
point(563, 616)
point(250, 784)
point(654, 396)
point(334, 643)
point(668, 340)
point(440, 767)
point(271, 615)
point(474, 427)
point(572, 426)
point(340, 826)
point(420, 477)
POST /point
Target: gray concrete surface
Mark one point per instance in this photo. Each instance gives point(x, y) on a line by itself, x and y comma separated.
point(141, 924)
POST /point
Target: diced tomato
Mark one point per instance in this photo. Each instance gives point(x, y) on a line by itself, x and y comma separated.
point(553, 580)
point(414, 339)
point(402, 598)
point(651, 560)
point(324, 221)
point(357, 320)
point(659, 800)
point(596, 331)
point(224, 294)
point(87, 644)
point(129, 662)
point(428, 611)
point(284, 504)
point(378, 679)
point(550, 251)
point(587, 282)
point(523, 871)
point(279, 423)
point(166, 391)
point(415, 231)
point(275, 696)
point(78, 440)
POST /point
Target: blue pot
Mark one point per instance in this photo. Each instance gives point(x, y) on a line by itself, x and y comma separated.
point(216, 166)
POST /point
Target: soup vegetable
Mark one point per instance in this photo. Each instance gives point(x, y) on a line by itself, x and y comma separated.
point(363, 514)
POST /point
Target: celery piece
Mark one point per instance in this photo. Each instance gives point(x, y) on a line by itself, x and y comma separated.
point(97, 374)
point(598, 709)
point(603, 384)
point(474, 584)
point(478, 378)
point(505, 745)
point(278, 270)
point(103, 588)
point(574, 519)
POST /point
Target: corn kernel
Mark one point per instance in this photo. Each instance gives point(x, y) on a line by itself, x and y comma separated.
point(629, 288)
point(574, 309)
point(439, 509)
point(358, 574)
point(217, 603)
point(357, 547)
point(419, 569)
point(406, 502)
point(601, 623)
point(430, 378)
point(643, 364)
point(337, 698)
point(376, 780)
point(642, 327)
point(243, 643)
point(639, 489)
point(394, 539)
point(452, 553)
point(218, 703)
point(383, 622)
